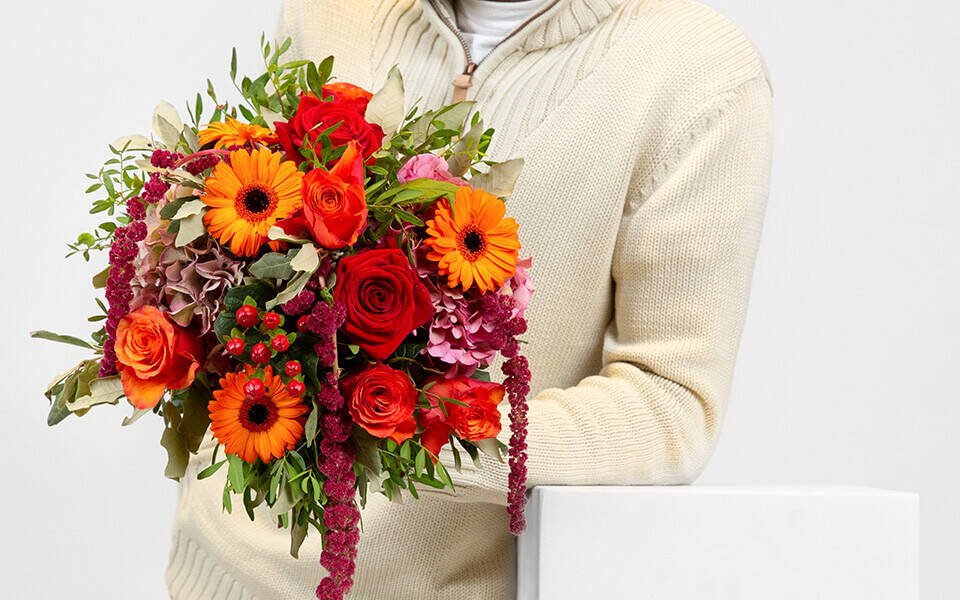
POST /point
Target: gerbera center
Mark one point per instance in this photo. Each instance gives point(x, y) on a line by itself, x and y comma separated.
point(255, 203)
point(258, 415)
point(472, 243)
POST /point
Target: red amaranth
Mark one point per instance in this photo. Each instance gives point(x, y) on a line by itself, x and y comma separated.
point(517, 385)
point(341, 514)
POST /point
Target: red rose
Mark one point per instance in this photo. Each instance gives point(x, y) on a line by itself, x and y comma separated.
point(476, 419)
point(314, 115)
point(381, 400)
point(348, 93)
point(334, 209)
point(385, 299)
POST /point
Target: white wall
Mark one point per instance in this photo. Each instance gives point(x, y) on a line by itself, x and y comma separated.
point(848, 363)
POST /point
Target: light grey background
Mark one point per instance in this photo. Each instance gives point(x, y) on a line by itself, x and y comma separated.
point(848, 365)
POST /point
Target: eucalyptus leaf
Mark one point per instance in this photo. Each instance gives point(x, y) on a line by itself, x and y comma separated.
point(272, 265)
point(190, 229)
point(298, 533)
point(386, 106)
point(306, 259)
point(196, 417)
point(63, 339)
point(167, 124)
point(279, 235)
point(490, 447)
point(188, 209)
point(133, 418)
point(133, 142)
point(167, 132)
point(285, 501)
point(292, 290)
point(500, 179)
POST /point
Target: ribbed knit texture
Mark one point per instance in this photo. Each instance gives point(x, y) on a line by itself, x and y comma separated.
point(646, 129)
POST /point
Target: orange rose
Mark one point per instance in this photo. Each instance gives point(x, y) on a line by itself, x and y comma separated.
point(381, 400)
point(154, 355)
point(477, 418)
point(334, 210)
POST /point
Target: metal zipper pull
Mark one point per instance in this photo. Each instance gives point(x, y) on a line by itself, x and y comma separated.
point(463, 82)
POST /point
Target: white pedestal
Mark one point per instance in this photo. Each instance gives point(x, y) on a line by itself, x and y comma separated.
point(719, 543)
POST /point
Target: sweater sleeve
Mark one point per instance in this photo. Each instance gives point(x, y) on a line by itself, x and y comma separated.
point(682, 268)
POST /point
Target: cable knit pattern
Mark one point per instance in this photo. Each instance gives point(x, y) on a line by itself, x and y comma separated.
point(646, 129)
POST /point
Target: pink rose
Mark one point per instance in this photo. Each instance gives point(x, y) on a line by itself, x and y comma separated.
point(428, 166)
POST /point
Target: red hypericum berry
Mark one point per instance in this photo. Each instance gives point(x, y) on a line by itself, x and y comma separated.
point(260, 354)
point(235, 346)
point(280, 343)
point(292, 368)
point(296, 388)
point(302, 322)
point(272, 320)
point(247, 316)
point(254, 389)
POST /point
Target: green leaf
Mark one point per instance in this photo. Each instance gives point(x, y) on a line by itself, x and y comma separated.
point(233, 65)
point(272, 265)
point(170, 209)
point(313, 80)
point(444, 475)
point(420, 461)
point(63, 339)
point(210, 470)
point(235, 472)
point(311, 426)
point(408, 217)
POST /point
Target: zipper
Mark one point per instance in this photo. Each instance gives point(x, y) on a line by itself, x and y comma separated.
point(464, 80)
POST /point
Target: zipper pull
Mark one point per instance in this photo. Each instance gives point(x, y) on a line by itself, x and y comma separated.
point(463, 82)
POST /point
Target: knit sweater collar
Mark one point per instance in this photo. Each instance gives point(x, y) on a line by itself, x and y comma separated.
point(559, 21)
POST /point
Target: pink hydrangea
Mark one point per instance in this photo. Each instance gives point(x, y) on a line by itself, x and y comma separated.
point(189, 282)
point(429, 166)
point(463, 334)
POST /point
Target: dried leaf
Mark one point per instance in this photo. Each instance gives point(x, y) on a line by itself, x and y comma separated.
point(386, 106)
point(188, 209)
point(500, 179)
point(190, 229)
point(306, 259)
point(177, 456)
point(106, 390)
point(465, 150)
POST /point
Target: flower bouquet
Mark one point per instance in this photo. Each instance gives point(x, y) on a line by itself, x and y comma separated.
point(321, 280)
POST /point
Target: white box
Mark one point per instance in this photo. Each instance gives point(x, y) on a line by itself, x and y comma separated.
point(719, 543)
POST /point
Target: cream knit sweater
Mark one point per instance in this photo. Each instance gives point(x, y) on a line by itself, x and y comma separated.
point(646, 129)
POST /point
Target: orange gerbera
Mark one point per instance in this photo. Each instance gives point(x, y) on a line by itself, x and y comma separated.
point(264, 427)
point(472, 242)
point(247, 196)
point(234, 133)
